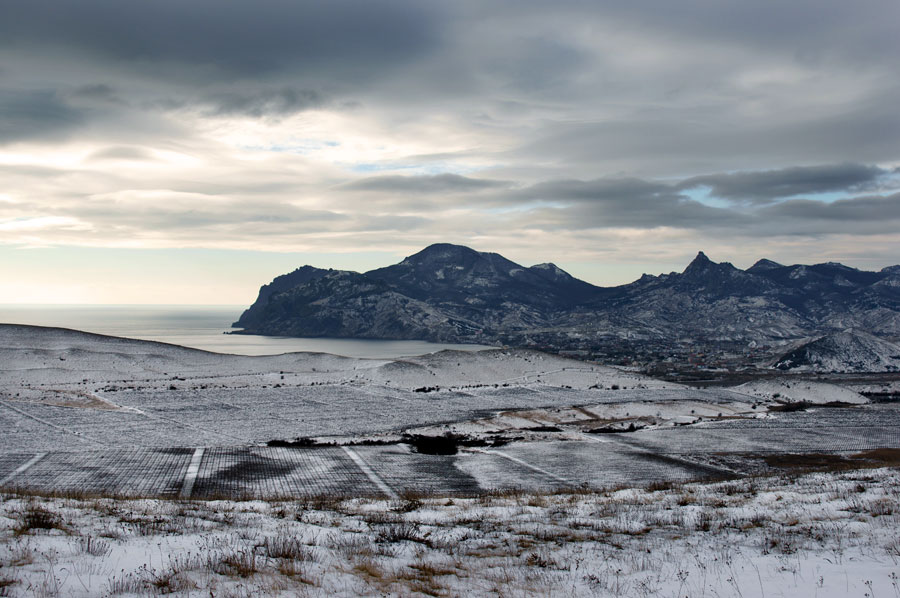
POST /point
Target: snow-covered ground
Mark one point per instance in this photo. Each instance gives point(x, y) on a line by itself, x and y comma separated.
point(96, 414)
point(813, 535)
point(109, 415)
point(68, 390)
point(847, 351)
point(793, 390)
point(32, 356)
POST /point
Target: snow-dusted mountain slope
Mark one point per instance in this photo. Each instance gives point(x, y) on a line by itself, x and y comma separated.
point(452, 293)
point(847, 351)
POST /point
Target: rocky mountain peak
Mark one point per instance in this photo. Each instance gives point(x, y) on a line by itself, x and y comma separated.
point(763, 265)
point(440, 253)
point(551, 271)
point(700, 266)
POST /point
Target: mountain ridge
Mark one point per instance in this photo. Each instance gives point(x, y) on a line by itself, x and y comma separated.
point(452, 293)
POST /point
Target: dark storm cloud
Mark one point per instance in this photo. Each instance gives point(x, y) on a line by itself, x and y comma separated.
point(239, 38)
point(36, 114)
point(770, 185)
point(440, 183)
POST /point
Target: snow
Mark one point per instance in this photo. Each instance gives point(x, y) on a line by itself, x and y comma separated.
point(847, 351)
point(822, 534)
point(793, 390)
point(108, 391)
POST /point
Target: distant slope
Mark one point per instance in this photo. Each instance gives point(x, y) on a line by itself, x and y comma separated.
point(799, 391)
point(44, 360)
point(849, 351)
point(452, 293)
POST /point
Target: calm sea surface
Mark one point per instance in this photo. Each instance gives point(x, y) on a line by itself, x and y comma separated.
point(202, 327)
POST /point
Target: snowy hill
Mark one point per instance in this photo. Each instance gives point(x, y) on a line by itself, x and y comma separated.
point(848, 351)
point(799, 391)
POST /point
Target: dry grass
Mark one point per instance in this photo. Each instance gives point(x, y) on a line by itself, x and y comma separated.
point(630, 542)
point(35, 517)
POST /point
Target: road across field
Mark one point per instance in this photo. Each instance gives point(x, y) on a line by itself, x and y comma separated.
point(607, 460)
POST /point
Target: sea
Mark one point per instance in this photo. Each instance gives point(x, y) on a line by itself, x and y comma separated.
point(204, 327)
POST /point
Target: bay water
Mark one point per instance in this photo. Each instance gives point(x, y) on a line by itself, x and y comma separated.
point(203, 327)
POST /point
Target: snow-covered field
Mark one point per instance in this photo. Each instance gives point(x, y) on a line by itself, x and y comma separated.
point(67, 390)
point(101, 415)
point(800, 391)
point(813, 535)
point(89, 413)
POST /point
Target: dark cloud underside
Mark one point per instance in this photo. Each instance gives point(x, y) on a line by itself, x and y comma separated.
point(770, 185)
point(240, 38)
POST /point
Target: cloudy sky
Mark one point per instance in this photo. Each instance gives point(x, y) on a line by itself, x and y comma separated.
point(188, 151)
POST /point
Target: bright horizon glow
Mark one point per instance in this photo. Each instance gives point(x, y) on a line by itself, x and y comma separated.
point(233, 278)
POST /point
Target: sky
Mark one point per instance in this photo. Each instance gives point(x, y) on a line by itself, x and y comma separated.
point(189, 151)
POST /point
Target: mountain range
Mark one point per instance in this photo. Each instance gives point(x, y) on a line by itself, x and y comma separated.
point(451, 293)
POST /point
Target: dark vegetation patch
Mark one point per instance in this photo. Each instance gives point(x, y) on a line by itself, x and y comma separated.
point(36, 517)
point(310, 442)
point(806, 461)
point(297, 443)
point(542, 429)
point(803, 405)
point(5, 583)
point(882, 397)
point(882, 457)
point(449, 443)
point(615, 429)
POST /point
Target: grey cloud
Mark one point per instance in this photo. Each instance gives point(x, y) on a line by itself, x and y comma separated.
point(98, 92)
point(879, 209)
point(440, 183)
point(810, 30)
point(607, 189)
point(201, 215)
point(767, 186)
point(244, 38)
point(675, 142)
point(620, 202)
point(265, 103)
point(121, 152)
point(391, 223)
point(550, 98)
point(30, 171)
point(36, 115)
point(636, 203)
